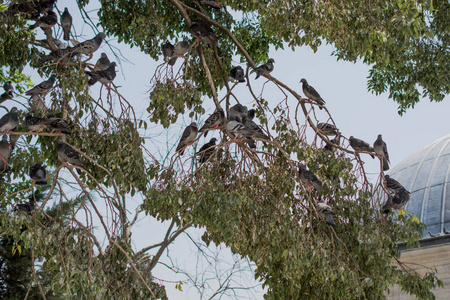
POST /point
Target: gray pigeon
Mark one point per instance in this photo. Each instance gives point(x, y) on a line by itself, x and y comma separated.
point(9, 121)
point(201, 30)
point(238, 111)
point(103, 62)
point(237, 130)
point(309, 178)
point(212, 3)
point(38, 173)
point(257, 131)
point(188, 137)
point(5, 153)
point(60, 56)
point(42, 88)
point(326, 212)
point(66, 23)
point(237, 73)
point(396, 201)
point(34, 123)
point(359, 145)
point(9, 92)
point(180, 49)
point(89, 46)
point(311, 93)
point(26, 207)
point(167, 49)
point(214, 121)
point(37, 104)
point(104, 76)
point(381, 149)
point(57, 124)
point(328, 129)
point(433, 234)
point(446, 231)
point(335, 141)
point(391, 184)
point(207, 150)
point(265, 69)
point(68, 155)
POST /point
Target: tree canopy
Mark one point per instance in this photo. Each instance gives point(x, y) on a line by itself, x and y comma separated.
point(251, 199)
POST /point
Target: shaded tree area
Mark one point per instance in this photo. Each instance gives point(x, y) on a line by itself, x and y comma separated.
point(251, 199)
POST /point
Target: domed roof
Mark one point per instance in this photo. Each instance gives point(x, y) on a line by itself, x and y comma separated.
point(425, 174)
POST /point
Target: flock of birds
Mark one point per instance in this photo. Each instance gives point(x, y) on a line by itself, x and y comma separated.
point(240, 125)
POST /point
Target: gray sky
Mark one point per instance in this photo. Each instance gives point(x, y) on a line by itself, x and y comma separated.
point(342, 85)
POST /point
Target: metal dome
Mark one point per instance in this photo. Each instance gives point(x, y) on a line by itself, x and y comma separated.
point(425, 174)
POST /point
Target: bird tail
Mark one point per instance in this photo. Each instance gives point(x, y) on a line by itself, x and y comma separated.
point(66, 35)
point(172, 61)
point(385, 164)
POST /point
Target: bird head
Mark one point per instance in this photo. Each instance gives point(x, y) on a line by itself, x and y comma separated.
point(303, 80)
point(213, 140)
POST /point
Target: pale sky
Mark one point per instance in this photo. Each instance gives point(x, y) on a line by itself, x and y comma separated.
point(343, 85)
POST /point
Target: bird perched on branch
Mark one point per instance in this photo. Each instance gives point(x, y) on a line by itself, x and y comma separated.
point(167, 49)
point(46, 22)
point(38, 174)
point(88, 47)
point(188, 137)
point(9, 121)
point(309, 178)
point(201, 30)
point(212, 3)
point(68, 155)
point(380, 148)
point(42, 88)
point(66, 23)
point(328, 129)
point(5, 153)
point(207, 150)
point(326, 212)
point(34, 123)
point(265, 69)
point(238, 110)
point(104, 76)
point(396, 200)
point(359, 145)
point(9, 91)
point(214, 121)
point(237, 73)
point(236, 130)
point(180, 49)
point(311, 93)
point(248, 122)
point(103, 62)
point(335, 141)
point(57, 124)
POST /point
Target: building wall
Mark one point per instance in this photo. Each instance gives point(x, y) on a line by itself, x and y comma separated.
point(434, 253)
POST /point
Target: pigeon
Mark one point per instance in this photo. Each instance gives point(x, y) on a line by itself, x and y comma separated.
point(68, 155)
point(207, 150)
point(38, 173)
point(9, 121)
point(57, 124)
point(381, 149)
point(56, 42)
point(46, 22)
point(359, 145)
point(237, 130)
point(237, 73)
point(26, 207)
point(37, 104)
point(326, 212)
point(238, 111)
point(5, 153)
point(104, 76)
point(103, 62)
point(309, 178)
point(328, 129)
point(42, 88)
point(335, 141)
point(181, 48)
point(395, 201)
point(201, 30)
point(265, 69)
point(89, 46)
point(433, 234)
point(311, 93)
point(9, 91)
point(212, 3)
point(66, 23)
point(214, 121)
point(167, 49)
point(188, 137)
point(250, 124)
point(34, 123)
point(62, 55)
point(392, 184)
point(446, 231)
